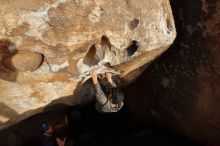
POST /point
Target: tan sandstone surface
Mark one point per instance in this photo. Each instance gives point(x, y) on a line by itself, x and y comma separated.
point(47, 47)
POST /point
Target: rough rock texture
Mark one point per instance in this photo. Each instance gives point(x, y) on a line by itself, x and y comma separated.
point(181, 90)
point(41, 43)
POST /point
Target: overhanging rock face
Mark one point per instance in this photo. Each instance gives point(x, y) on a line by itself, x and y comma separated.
point(48, 46)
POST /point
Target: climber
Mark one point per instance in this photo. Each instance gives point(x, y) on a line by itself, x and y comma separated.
point(48, 137)
point(111, 100)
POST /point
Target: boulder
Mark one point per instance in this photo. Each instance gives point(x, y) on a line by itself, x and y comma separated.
point(58, 37)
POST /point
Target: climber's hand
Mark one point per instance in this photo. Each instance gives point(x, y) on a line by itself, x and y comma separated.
point(93, 72)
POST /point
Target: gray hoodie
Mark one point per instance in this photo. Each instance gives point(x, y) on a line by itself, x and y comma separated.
point(103, 104)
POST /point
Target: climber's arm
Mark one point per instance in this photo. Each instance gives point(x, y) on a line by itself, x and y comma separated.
point(100, 95)
point(109, 78)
